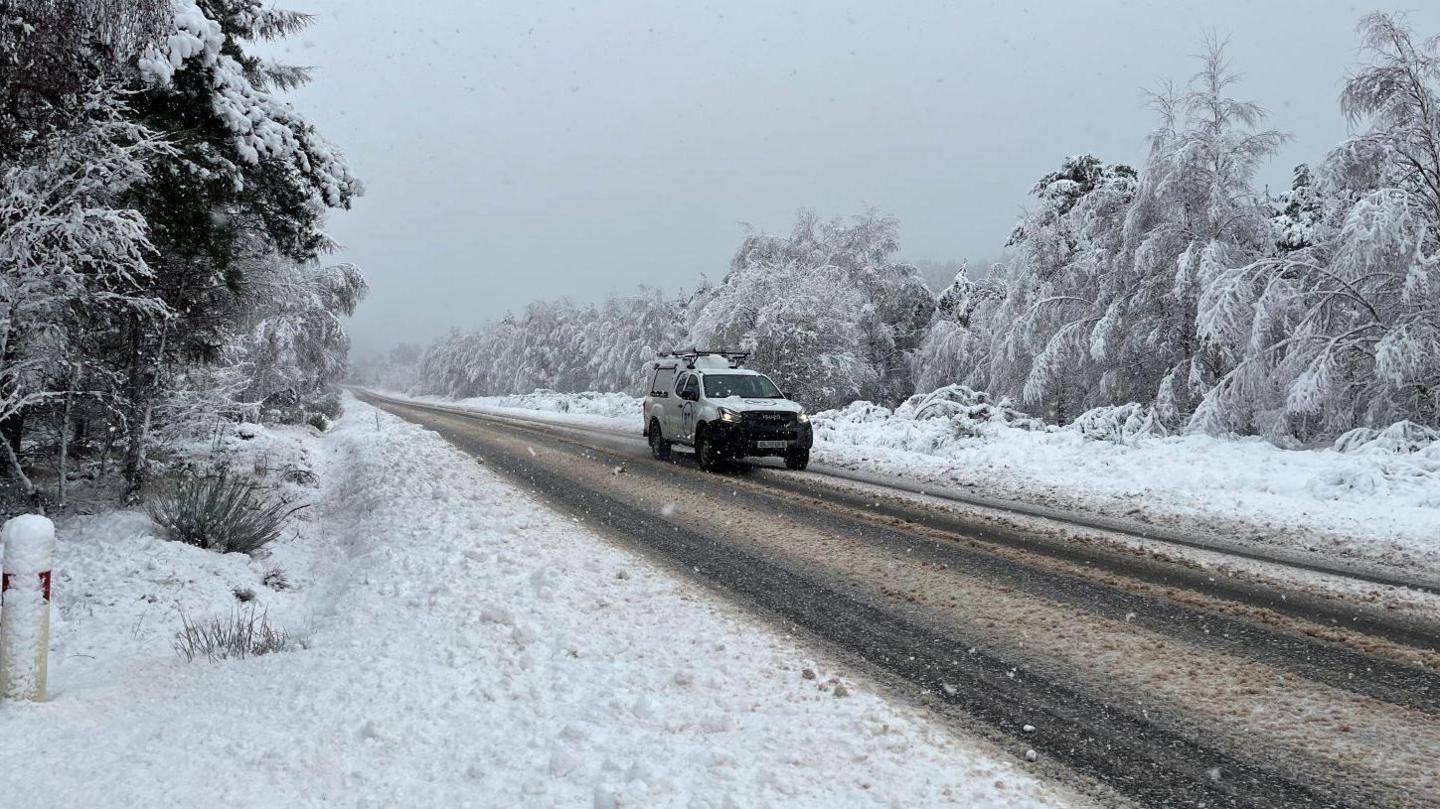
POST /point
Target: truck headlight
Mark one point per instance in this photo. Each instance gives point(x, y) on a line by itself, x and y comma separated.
point(729, 415)
point(803, 418)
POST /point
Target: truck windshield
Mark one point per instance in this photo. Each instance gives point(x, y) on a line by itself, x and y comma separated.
point(746, 386)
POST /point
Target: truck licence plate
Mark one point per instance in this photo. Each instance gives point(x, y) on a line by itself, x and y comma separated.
point(770, 445)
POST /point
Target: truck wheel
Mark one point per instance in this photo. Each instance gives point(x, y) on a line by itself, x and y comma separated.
point(705, 454)
point(797, 459)
point(659, 447)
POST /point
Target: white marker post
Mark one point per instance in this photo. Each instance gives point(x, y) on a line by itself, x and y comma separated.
point(25, 606)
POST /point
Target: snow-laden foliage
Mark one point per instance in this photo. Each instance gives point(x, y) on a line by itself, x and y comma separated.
point(257, 163)
point(1180, 289)
point(957, 345)
point(1402, 437)
point(1119, 424)
point(297, 343)
point(161, 216)
point(74, 263)
point(826, 310)
point(554, 345)
point(963, 404)
point(931, 423)
point(1023, 332)
point(1341, 329)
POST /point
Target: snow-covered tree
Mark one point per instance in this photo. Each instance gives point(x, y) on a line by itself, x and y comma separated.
point(1298, 213)
point(555, 345)
point(152, 177)
point(297, 344)
point(956, 349)
point(1343, 330)
point(1195, 214)
point(246, 167)
point(73, 262)
point(827, 308)
point(631, 330)
point(1028, 333)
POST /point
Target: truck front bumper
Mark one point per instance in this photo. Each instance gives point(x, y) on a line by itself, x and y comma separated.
point(757, 440)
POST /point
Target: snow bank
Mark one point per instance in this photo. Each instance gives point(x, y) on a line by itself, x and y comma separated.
point(1374, 500)
point(603, 411)
point(464, 647)
point(591, 403)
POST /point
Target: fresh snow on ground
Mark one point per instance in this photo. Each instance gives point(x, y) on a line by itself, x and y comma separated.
point(457, 645)
point(1376, 503)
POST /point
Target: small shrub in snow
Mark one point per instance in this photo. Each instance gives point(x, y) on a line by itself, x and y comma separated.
point(1353, 484)
point(302, 477)
point(1120, 424)
point(318, 421)
point(224, 513)
point(241, 634)
point(328, 406)
point(967, 409)
point(1402, 437)
point(276, 579)
point(856, 413)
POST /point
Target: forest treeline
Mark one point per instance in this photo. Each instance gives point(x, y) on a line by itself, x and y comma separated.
point(1176, 284)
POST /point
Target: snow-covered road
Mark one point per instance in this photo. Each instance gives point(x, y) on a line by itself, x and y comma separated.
point(1175, 684)
point(464, 646)
point(1367, 513)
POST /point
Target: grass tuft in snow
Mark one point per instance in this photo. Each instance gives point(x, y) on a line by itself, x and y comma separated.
point(328, 406)
point(241, 634)
point(226, 514)
point(276, 579)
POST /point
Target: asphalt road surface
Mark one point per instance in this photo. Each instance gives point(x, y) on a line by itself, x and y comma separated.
point(1140, 679)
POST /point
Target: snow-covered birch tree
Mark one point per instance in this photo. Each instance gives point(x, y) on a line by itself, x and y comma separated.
point(1345, 331)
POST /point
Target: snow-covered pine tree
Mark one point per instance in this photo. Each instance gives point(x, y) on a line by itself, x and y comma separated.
point(74, 264)
point(74, 256)
point(138, 141)
point(250, 178)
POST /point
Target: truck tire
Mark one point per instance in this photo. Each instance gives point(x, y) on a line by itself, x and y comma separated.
point(705, 454)
point(659, 447)
point(797, 459)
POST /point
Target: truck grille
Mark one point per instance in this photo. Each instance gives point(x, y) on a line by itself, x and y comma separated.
point(770, 418)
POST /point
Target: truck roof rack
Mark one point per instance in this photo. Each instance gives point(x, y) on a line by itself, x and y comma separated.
point(689, 355)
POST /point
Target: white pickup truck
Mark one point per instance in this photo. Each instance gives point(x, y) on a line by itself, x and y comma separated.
point(705, 400)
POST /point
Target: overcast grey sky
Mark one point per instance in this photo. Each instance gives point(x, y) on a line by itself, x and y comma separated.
point(520, 150)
